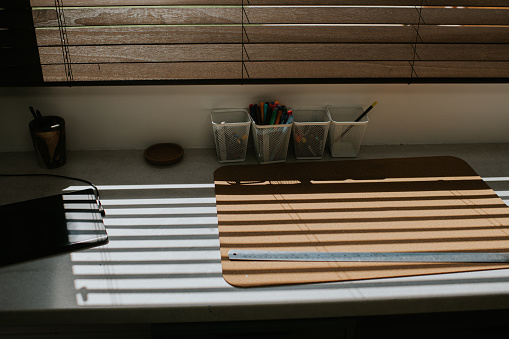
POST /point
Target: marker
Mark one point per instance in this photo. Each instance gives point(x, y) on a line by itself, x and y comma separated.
point(251, 111)
point(265, 107)
point(269, 114)
point(290, 120)
point(258, 114)
point(279, 114)
point(274, 115)
point(285, 115)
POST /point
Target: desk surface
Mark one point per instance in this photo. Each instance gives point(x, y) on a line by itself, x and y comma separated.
point(162, 263)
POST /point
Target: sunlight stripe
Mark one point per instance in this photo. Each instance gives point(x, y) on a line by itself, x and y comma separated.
point(167, 201)
point(159, 221)
point(139, 269)
point(181, 243)
point(158, 232)
point(161, 211)
point(139, 256)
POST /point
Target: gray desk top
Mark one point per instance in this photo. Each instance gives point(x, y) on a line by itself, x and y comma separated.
point(162, 263)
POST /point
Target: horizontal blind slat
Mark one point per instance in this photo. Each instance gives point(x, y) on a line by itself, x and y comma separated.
point(378, 15)
point(46, 17)
point(462, 52)
point(328, 69)
point(141, 35)
point(446, 69)
point(483, 3)
point(189, 71)
point(465, 16)
point(260, 52)
point(146, 53)
point(278, 70)
point(464, 34)
point(272, 34)
point(145, 71)
point(102, 3)
point(379, 69)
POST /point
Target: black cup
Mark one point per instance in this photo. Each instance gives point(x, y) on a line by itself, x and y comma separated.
point(48, 136)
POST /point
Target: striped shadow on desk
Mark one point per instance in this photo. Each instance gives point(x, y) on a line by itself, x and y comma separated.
point(163, 247)
point(164, 250)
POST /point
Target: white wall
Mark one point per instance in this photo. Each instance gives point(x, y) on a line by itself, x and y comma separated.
point(134, 117)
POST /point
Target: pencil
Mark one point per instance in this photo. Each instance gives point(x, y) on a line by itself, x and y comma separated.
point(356, 120)
point(366, 111)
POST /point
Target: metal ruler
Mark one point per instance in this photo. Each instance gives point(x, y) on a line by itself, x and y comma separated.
point(369, 256)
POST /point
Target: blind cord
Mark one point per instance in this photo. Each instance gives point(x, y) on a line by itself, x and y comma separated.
point(64, 40)
point(96, 191)
point(417, 38)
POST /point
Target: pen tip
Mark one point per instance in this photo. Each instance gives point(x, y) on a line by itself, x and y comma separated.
point(373, 105)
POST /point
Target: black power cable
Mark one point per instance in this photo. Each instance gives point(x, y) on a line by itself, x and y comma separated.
point(96, 191)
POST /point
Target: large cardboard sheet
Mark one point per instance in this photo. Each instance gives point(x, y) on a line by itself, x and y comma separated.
point(428, 204)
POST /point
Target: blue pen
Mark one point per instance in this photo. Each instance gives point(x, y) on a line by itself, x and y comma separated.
point(284, 117)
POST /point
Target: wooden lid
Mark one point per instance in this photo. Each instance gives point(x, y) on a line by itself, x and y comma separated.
point(164, 154)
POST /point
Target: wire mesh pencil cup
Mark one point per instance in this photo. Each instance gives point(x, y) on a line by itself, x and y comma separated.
point(346, 135)
point(310, 128)
point(271, 142)
point(231, 134)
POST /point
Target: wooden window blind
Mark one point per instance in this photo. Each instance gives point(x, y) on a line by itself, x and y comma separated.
point(272, 41)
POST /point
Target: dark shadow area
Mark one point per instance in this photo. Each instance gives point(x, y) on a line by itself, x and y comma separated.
point(45, 226)
point(372, 169)
point(466, 325)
